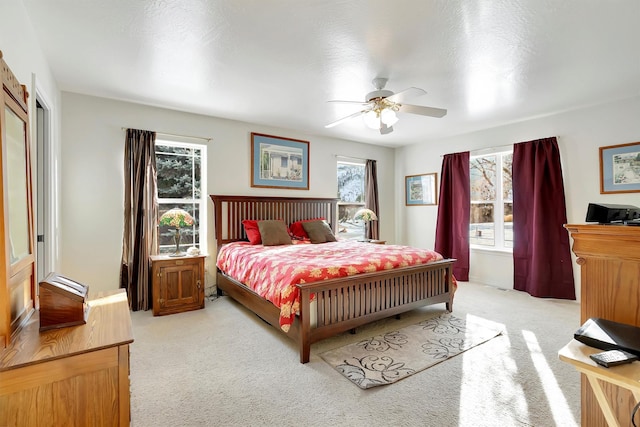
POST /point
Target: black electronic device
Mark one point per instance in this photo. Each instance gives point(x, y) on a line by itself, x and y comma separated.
point(611, 358)
point(608, 213)
point(609, 335)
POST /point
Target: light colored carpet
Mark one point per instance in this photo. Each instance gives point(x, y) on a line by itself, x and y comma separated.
point(393, 355)
point(223, 366)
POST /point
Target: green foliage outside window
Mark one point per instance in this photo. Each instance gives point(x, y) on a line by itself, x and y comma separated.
point(179, 175)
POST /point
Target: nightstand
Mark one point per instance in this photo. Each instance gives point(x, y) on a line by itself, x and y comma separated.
point(377, 242)
point(177, 283)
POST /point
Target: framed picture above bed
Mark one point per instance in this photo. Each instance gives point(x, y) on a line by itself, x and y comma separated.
point(278, 162)
point(421, 189)
point(620, 168)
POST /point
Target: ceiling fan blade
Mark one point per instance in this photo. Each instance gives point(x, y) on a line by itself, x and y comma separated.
point(423, 111)
point(349, 102)
point(406, 94)
point(344, 119)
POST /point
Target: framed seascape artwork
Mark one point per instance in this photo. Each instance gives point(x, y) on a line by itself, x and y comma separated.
point(421, 189)
point(620, 168)
point(278, 162)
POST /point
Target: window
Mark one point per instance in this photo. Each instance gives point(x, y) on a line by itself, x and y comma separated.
point(351, 194)
point(180, 168)
point(491, 222)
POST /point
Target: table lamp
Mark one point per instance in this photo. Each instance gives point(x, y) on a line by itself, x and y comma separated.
point(176, 218)
point(365, 215)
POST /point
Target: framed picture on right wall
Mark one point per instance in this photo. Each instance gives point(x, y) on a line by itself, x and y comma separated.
point(620, 168)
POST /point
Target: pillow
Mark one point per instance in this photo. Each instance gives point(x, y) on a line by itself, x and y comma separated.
point(252, 231)
point(274, 233)
point(318, 231)
point(297, 230)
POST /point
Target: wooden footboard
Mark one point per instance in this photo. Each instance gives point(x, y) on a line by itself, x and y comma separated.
point(343, 304)
point(346, 303)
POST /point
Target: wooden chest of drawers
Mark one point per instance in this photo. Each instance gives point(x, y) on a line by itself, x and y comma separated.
point(609, 259)
point(74, 376)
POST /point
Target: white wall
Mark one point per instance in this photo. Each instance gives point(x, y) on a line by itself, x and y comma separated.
point(93, 183)
point(580, 133)
point(23, 54)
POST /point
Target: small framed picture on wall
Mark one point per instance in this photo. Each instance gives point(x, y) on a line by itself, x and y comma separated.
point(421, 189)
point(620, 168)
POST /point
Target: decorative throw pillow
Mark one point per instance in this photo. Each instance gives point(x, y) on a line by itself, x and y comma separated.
point(252, 231)
point(274, 233)
point(297, 230)
point(319, 231)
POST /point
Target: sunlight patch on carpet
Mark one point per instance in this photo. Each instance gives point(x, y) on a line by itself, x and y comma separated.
point(392, 356)
point(555, 398)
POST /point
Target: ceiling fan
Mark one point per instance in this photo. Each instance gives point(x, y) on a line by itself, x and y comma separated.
point(381, 106)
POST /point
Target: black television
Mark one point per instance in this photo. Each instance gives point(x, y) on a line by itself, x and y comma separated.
point(609, 214)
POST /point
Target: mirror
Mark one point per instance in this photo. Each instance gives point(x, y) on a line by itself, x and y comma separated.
point(18, 203)
point(18, 298)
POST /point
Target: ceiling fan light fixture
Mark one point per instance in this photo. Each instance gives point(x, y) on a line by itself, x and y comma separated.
point(388, 117)
point(371, 119)
point(381, 107)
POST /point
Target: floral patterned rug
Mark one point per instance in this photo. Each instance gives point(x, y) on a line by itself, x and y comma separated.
point(385, 359)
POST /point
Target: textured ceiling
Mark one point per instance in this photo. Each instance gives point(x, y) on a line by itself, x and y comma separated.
point(278, 62)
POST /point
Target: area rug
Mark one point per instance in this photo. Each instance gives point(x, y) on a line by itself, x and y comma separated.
point(385, 359)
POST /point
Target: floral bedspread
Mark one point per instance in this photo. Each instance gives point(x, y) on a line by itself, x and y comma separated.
point(274, 271)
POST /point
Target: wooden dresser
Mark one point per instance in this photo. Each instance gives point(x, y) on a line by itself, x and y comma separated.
point(75, 376)
point(609, 259)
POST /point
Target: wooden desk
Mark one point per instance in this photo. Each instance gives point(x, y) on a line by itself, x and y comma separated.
point(75, 376)
point(626, 376)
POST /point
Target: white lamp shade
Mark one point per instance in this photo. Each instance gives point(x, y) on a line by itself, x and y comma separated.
point(388, 117)
point(371, 119)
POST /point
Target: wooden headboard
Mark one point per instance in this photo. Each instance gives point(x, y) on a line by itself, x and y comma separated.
point(230, 211)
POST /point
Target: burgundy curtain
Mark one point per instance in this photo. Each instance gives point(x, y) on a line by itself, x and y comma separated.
point(372, 228)
point(541, 251)
point(139, 240)
point(452, 228)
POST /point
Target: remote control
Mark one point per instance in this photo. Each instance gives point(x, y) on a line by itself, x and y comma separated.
point(613, 357)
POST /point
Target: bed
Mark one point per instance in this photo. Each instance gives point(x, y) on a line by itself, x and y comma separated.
point(339, 304)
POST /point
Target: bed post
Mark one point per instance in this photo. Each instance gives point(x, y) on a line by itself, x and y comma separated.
point(451, 287)
point(305, 327)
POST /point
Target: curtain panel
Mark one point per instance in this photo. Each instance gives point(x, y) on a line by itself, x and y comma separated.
point(139, 239)
point(454, 210)
point(372, 228)
point(541, 250)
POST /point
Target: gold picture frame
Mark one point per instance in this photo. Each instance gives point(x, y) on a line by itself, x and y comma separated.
point(421, 190)
point(620, 168)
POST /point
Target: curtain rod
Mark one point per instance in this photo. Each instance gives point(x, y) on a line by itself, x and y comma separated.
point(179, 136)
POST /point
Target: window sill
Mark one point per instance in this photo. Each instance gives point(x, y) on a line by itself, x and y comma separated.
point(493, 251)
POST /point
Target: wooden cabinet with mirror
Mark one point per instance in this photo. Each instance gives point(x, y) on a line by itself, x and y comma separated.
point(17, 259)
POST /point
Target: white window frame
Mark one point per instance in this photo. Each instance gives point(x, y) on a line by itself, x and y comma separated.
point(498, 203)
point(202, 201)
